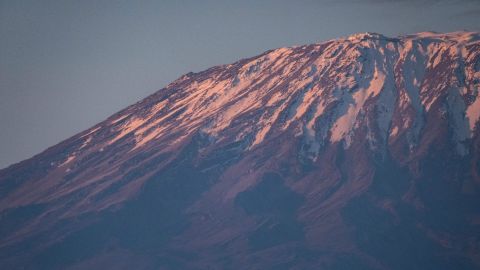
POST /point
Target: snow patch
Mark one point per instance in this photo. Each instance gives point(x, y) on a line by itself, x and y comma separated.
point(473, 114)
point(68, 160)
point(127, 128)
point(343, 127)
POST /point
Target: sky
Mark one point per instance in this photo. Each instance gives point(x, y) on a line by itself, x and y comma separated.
point(67, 65)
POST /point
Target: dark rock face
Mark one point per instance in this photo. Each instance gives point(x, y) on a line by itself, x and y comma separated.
point(356, 153)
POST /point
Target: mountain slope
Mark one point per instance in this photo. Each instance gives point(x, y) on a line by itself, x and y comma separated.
point(355, 153)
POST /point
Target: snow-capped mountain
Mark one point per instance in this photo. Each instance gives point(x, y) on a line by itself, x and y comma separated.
point(355, 153)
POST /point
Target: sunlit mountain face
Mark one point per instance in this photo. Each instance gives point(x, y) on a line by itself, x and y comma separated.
point(355, 153)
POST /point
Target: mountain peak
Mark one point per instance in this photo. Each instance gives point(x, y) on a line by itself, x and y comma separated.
point(367, 35)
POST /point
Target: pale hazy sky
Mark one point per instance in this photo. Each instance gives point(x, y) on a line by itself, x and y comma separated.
point(66, 65)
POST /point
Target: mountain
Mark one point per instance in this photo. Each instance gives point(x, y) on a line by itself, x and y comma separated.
point(355, 153)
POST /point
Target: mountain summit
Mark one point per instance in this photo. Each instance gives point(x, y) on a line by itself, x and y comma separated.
point(355, 153)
